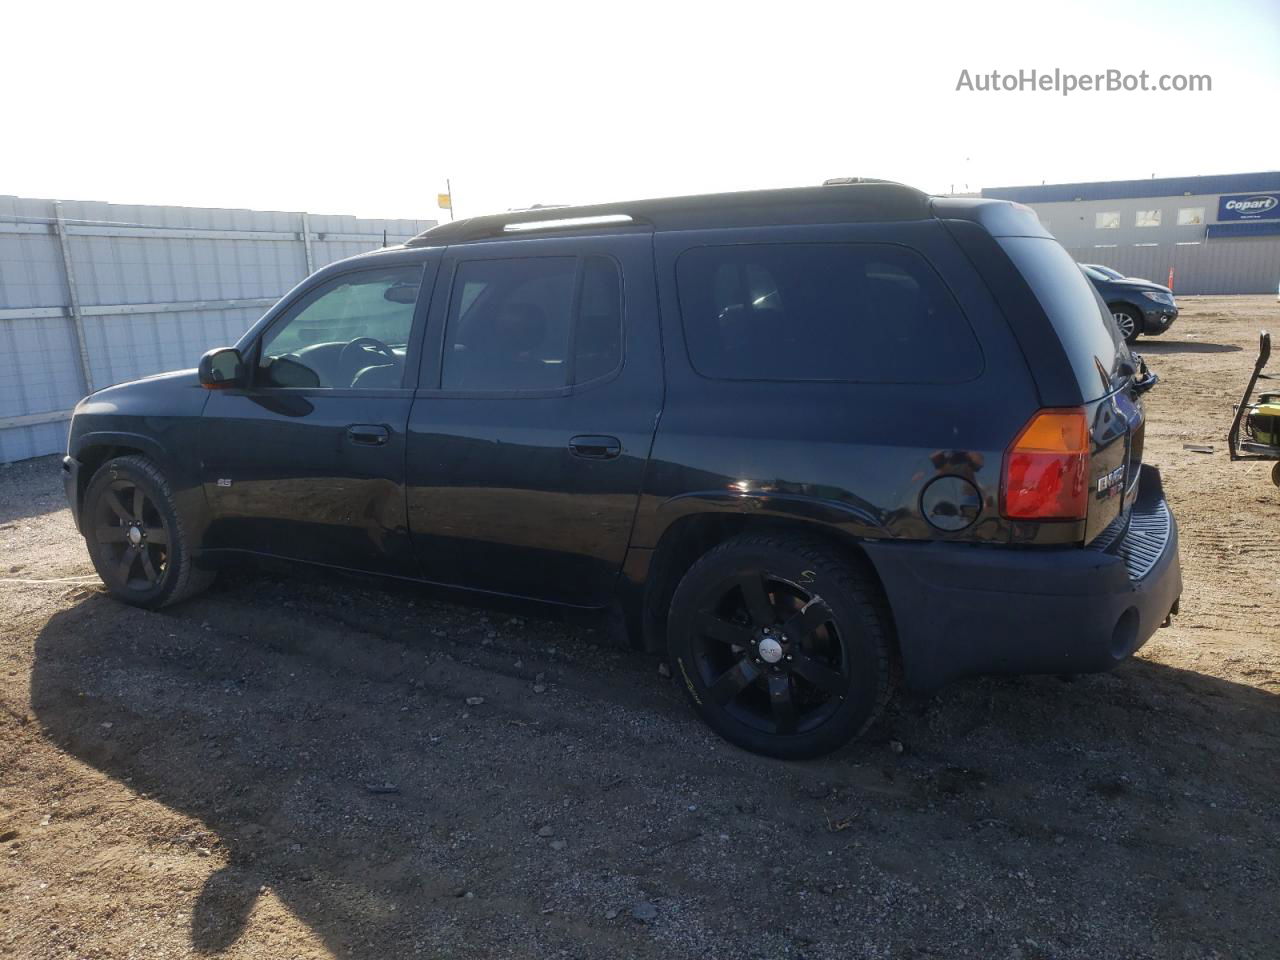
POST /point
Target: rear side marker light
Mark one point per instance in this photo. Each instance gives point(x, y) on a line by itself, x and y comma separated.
point(1045, 468)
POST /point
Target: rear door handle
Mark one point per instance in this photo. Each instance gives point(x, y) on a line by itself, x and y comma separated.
point(369, 434)
point(595, 448)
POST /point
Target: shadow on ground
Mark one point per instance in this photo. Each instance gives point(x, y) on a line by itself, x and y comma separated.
point(1131, 814)
point(1145, 346)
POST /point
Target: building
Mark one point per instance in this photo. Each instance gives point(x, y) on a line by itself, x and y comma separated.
point(1217, 234)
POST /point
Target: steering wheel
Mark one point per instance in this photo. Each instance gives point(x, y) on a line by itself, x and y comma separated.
point(367, 345)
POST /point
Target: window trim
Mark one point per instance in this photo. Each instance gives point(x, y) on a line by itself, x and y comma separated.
point(684, 330)
point(436, 388)
point(413, 348)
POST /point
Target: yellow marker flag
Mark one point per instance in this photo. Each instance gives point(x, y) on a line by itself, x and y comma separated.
point(445, 201)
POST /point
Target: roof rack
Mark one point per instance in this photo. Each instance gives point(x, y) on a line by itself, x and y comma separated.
point(844, 201)
point(841, 181)
point(566, 223)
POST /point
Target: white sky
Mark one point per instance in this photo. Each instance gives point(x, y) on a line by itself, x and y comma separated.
point(367, 108)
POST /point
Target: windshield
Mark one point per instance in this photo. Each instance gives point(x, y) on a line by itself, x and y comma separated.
point(1093, 272)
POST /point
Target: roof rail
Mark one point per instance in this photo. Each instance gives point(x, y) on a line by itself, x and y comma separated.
point(857, 200)
point(566, 223)
point(841, 181)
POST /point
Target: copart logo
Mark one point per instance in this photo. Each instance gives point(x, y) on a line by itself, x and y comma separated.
point(1253, 204)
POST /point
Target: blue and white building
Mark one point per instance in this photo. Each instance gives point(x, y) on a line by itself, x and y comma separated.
point(1218, 234)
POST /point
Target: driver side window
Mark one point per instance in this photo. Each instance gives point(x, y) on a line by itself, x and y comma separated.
point(349, 333)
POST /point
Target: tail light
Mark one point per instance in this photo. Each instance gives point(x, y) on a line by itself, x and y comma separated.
point(1045, 468)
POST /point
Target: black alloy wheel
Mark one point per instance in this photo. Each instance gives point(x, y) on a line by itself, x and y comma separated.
point(782, 644)
point(136, 535)
point(132, 535)
point(770, 654)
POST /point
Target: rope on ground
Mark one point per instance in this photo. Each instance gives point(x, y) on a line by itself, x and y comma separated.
point(87, 578)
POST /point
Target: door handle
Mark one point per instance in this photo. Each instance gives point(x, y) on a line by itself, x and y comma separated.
point(369, 434)
point(595, 448)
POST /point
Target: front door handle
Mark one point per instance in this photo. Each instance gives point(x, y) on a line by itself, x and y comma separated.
point(368, 434)
point(595, 448)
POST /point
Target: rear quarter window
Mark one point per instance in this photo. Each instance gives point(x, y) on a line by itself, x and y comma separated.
point(1079, 316)
point(850, 312)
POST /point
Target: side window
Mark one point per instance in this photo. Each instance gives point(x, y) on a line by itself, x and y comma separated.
point(853, 312)
point(597, 342)
point(511, 323)
point(351, 332)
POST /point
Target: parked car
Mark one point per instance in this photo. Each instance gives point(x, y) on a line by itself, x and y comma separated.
point(1105, 271)
point(808, 441)
point(1139, 307)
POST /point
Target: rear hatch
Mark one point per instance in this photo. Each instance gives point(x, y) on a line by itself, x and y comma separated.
point(1102, 367)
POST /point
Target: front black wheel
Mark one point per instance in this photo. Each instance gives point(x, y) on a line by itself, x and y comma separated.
point(782, 645)
point(135, 535)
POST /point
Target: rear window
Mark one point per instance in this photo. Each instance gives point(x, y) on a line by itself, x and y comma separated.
point(1081, 320)
point(857, 312)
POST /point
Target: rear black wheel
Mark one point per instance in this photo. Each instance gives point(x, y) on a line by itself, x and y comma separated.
point(782, 645)
point(135, 536)
point(1275, 474)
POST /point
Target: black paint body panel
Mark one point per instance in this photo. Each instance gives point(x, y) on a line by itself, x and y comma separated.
point(497, 501)
point(484, 492)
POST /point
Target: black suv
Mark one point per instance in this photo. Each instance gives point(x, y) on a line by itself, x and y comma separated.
point(1139, 307)
point(809, 441)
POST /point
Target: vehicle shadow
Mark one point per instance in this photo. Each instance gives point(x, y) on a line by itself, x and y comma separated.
point(326, 751)
point(1184, 346)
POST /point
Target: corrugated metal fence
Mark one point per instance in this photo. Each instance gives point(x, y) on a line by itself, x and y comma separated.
point(1221, 265)
point(93, 294)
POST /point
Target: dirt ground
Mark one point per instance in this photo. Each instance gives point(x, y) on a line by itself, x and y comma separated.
point(293, 766)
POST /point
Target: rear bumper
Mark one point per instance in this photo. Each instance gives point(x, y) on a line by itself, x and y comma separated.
point(962, 610)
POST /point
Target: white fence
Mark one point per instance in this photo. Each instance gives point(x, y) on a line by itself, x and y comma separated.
point(93, 294)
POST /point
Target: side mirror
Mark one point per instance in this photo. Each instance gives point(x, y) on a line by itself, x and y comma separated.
point(222, 368)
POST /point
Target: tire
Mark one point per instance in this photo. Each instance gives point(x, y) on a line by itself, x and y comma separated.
point(136, 537)
point(1275, 474)
point(782, 645)
point(1128, 321)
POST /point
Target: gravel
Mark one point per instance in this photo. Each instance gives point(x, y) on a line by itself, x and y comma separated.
point(197, 781)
